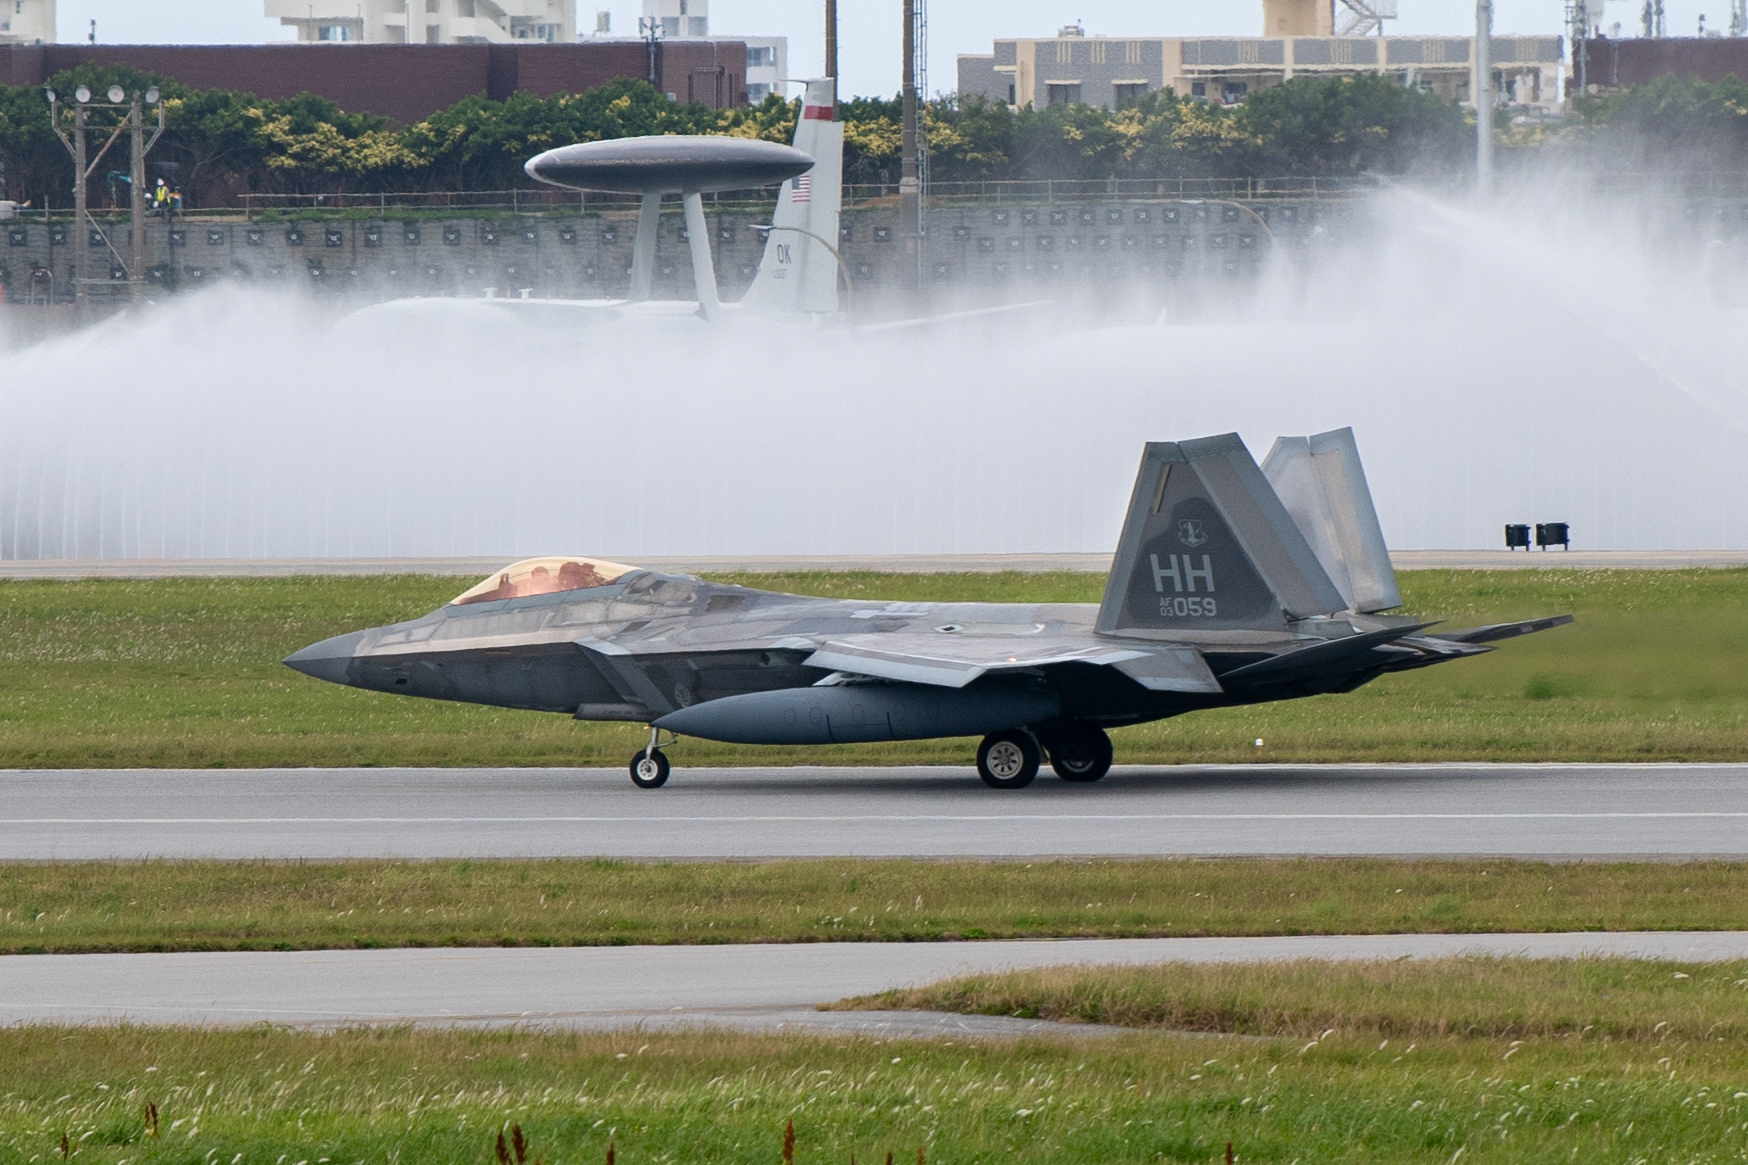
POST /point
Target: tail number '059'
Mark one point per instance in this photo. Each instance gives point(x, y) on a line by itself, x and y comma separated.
point(1188, 607)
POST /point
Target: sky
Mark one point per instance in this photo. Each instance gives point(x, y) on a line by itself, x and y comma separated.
point(869, 30)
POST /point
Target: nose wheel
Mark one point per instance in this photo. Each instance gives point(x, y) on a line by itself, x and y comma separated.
point(649, 768)
point(1008, 760)
point(649, 765)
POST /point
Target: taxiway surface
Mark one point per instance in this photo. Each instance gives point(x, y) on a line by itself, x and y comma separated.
point(760, 987)
point(1522, 810)
point(478, 565)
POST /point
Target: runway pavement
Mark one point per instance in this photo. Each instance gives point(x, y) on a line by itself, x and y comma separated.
point(750, 987)
point(1565, 811)
point(477, 566)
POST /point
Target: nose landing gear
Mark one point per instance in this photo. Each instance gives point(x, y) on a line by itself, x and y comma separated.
point(649, 765)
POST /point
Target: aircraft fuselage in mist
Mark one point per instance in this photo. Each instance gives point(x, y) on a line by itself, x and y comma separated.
point(1232, 584)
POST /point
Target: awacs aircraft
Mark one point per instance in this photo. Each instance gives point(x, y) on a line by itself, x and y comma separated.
point(797, 276)
point(1233, 583)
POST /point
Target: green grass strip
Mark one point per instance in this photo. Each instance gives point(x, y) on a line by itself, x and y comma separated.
point(186, 673)
point(439, 1097)
point(1476, 998)
point(213, 905)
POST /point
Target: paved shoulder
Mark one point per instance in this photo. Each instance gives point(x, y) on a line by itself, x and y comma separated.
point(753, 986)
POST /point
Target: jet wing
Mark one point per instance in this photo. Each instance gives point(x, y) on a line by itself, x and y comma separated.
point(953, 661)
point(1493, 631)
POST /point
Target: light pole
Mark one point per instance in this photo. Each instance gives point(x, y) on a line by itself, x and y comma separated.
point(77, 145)
point(1483, 97)
point(909, 189)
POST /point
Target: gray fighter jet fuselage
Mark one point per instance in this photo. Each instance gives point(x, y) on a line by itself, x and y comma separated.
point(1223, 592)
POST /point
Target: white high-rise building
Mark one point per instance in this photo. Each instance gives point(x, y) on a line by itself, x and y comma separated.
point(27, 21)
point(431, 21)
point(767, 56)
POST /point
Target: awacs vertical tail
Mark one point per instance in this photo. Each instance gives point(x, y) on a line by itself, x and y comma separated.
point(798, 273)
point(1208, 546)
point(1323, 485)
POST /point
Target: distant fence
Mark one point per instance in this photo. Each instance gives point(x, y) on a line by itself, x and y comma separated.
point(940, 194)
point(1126, 189)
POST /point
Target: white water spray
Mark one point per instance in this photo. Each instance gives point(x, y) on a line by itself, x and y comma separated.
point(1596, 385)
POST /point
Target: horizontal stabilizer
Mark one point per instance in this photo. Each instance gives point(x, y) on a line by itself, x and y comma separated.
point(1176, 670)
point(1494, 631)
point(1321, 657)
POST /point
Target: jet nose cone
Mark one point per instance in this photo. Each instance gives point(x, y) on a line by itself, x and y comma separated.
point(328, 659)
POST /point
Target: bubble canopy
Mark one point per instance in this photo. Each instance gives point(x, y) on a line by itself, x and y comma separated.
point(543, 576)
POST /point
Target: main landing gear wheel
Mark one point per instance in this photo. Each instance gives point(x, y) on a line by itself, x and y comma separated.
point(1083, 757)
point(649, 768)
point(1007, 760)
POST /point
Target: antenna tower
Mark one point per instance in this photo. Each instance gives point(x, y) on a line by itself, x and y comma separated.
point(920, 11)
point(1652, 18)
point(1579, 27)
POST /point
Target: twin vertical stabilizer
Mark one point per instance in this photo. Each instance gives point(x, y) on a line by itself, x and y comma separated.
point(1323, 485)
point(799, 272)
point(1210, 544)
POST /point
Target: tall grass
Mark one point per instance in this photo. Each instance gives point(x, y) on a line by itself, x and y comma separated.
point(1480, 998)
point(399, 1096)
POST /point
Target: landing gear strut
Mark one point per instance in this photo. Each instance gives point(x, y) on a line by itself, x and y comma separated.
point(1080, 755)
point(649, 766)
point(1008, 760)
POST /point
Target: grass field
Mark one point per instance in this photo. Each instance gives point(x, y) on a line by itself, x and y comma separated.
point(1477, 998)
point(158, 906)
point(274, 1096)
point(185, 672)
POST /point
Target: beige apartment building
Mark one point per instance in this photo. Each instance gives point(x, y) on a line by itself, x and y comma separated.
point(27, 22)
point(428, 21)
point(1299, 40)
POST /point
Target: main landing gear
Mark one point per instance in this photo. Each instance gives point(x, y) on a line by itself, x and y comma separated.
point(649, 765)
point(1079, 753)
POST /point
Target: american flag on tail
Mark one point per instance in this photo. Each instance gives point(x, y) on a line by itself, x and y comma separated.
point(803, 188)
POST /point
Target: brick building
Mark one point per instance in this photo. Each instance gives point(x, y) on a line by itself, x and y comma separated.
point(409, 82)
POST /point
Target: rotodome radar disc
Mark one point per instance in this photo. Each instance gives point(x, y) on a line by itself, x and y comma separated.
point(669, 165)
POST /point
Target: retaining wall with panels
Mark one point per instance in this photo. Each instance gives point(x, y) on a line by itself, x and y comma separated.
point(589, 255)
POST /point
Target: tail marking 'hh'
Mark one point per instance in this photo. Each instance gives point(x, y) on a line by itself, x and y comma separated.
point(1208, 545)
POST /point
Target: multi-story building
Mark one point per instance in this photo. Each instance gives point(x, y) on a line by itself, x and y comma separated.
point(427, 21)
point(27, 21)
point(767, 56)
point(1298, 41)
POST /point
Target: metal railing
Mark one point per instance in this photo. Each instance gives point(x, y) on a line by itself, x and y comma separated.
point(534, 201)
point(1097, 189)
point(516, 201)
point(941, 194)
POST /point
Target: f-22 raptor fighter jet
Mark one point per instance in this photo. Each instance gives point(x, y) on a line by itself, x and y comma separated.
point(1233, 583)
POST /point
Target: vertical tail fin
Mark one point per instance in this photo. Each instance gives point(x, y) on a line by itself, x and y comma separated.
point(798, 273)
point(1208, 546)
point(1323, 485)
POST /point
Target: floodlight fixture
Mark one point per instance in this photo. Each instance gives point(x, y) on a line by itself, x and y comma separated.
point(50, 94)
point(152, 95)
point(82, 94)
point(116, 94)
